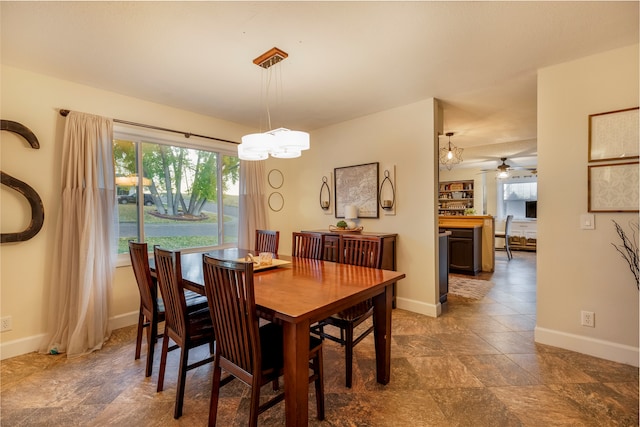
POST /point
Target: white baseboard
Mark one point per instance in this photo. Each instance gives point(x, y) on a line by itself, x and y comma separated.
point(20, 346)
point(31, 344)
point(123, 320)
point(419, 307)
point(594, 347)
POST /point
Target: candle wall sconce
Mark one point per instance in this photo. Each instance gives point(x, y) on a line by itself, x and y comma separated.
point(325, 195)
point(387, 192)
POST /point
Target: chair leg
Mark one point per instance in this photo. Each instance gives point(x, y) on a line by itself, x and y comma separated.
point(163, 361)
point(255, 403)
point(507, 247)
point(348, 346)
point(319, 383)
point(182, 378)
point(152, 334)
point(139, 334)
point(215, 392)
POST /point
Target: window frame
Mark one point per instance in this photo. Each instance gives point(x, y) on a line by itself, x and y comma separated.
point(500, 202)
point(141, 135)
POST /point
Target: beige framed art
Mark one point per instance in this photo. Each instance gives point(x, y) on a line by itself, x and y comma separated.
point(358, 186)
point(614, 187)
point(614, 135)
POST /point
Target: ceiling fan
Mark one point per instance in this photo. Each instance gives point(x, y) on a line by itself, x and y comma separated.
point(503, 169)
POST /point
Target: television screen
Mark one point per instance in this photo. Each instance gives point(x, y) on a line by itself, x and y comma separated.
point(531, 209)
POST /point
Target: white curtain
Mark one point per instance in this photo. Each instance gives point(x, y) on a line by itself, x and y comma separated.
point(253, 202)
point(84, 257)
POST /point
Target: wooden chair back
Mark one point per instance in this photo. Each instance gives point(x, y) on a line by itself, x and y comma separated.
point(138, 252)
point(240, 340)
point(229, 290)
point(267, 241)
point(365, 251)
point(308, 245)
point(169, 272)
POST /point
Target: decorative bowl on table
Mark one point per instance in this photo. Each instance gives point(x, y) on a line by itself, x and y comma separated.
point(345, 229)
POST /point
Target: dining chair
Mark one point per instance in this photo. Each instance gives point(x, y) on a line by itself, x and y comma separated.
point(267, 241)
point(308, 245)
point(505, 235)
point(188, 330)
point(247, 351)
point(152, 311)
point(355, 250)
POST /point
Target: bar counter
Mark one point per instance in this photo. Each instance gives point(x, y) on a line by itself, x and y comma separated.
point(487, 223)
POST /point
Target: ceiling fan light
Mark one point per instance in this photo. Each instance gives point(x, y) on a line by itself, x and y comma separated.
point(503, 174)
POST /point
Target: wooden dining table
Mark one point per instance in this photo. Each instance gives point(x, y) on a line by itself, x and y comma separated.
point(300, 293)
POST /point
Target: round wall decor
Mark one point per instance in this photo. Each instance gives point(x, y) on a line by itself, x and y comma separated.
point(275, 178)
point(276, 201)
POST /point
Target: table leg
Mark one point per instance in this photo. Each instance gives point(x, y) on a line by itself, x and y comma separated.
point(296, 373)
point(382, 333)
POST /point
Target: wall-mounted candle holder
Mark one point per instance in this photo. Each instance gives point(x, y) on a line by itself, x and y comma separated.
point(325, 194)
point(387, 192)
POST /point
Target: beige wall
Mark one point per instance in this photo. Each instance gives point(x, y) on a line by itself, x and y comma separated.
point(403, 137)
point(33, 100)
point(579, 269)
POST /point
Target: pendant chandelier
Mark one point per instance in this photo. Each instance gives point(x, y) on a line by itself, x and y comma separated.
point(281, 142)
point(450, 155)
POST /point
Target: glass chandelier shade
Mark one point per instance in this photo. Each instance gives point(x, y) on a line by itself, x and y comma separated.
point(280, 143)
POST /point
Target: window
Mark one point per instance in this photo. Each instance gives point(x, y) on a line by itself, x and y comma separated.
point(513, 195)
point(176, 196)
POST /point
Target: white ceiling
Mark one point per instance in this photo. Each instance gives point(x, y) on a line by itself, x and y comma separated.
point(346, 59)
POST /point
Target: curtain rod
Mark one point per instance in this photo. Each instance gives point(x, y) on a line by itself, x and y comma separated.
point(65, 113)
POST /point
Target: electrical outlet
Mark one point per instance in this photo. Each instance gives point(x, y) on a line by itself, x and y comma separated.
point(588, 318)
point(6, 324)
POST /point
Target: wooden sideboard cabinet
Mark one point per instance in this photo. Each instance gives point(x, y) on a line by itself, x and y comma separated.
point(389, 243)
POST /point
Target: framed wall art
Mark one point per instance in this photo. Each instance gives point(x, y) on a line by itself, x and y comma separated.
point(614, 135)
point(358, 186)
point(614, 187)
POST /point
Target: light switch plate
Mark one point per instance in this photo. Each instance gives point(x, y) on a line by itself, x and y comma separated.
point(587, 221)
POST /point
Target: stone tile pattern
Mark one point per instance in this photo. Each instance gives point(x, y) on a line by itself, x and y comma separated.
point(477, 365)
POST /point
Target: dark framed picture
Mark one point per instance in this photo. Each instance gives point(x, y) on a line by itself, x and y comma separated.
point(358, 186)
point(614, 135)
point(614, 187)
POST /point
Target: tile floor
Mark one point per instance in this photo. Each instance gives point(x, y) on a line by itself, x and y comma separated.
point(476, 365)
